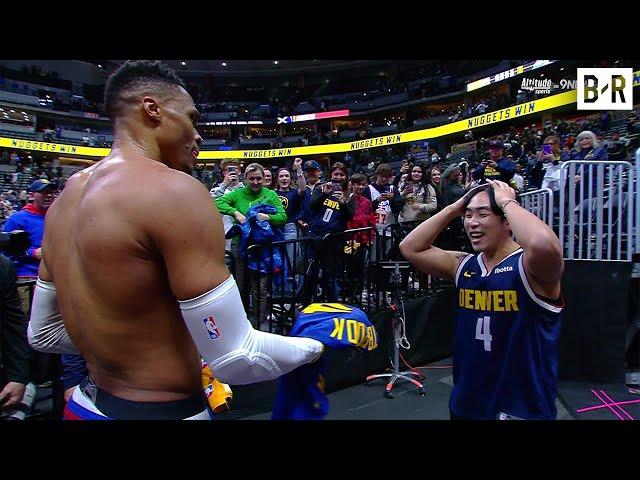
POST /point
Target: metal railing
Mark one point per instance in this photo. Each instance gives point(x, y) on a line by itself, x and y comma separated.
point(540, 203)
point(636, 194)
point(596, 212)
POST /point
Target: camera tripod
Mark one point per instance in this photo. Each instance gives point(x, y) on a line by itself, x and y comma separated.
point(397, 322)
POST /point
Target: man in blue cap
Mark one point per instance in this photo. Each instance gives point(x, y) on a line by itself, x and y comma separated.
point(31, 220)
point(312, 172)
point(496, 168)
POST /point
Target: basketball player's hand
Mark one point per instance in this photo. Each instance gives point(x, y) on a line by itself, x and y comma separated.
point(503, 192)
point(38, 253)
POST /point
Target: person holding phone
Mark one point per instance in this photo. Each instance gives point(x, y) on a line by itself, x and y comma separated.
point(231, 181)
point(497, 167)
point(552, 158)
point(331, 208)
point(387, 204)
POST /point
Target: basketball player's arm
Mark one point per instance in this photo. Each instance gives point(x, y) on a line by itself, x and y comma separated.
point(190, 238)
point(46, 332)
point(417, 247)
point(542, 258)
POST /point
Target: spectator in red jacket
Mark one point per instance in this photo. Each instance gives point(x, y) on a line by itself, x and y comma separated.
point(357, 246)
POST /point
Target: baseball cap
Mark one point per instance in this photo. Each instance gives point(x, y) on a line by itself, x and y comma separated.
point(40, 185)
point(311, 164)
point(496, 144)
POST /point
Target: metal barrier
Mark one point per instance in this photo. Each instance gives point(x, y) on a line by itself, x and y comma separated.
point(337, 267)
point(271, 293)
point(596, 215)
point(636, 192)
point(540, 203)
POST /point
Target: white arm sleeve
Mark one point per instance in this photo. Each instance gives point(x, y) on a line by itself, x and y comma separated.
point(46, 332)
point(236, 353)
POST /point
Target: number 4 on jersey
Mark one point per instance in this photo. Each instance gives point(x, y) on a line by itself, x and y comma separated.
point(483, 332)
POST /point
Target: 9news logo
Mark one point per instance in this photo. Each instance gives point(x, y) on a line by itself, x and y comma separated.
point(605, 88)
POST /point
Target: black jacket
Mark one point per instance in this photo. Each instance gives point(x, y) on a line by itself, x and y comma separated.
point(15, 352)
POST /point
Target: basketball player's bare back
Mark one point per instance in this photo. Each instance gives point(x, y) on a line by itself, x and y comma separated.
point(119, 307)
point(133, 275)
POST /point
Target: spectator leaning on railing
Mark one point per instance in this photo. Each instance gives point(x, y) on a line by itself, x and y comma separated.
point(386, 201)
point(291, 201)
point(330, 209)
point(231, 172)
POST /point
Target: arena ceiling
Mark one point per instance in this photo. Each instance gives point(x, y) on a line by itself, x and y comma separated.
point(264, 67)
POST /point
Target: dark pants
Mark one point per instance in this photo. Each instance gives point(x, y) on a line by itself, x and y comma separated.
point(325, 256)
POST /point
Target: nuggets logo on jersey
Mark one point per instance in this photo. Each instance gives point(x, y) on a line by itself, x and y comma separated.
point(284, 200)
point(212, 328)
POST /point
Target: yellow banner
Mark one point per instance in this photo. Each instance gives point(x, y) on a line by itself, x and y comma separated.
point(509, 113)
point(53, 147)
point(505, 114)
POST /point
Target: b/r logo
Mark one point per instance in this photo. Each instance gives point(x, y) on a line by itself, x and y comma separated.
point(605, 88)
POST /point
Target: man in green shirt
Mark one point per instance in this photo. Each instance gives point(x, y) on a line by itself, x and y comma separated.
point(236, 204)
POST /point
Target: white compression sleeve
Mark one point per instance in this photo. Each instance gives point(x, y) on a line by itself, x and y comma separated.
point(236, 352)
point(46, 332)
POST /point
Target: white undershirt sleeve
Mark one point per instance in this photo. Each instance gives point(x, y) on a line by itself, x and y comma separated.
point(46, 332)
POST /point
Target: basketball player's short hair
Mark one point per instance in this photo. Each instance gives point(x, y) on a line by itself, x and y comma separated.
point(135, 78)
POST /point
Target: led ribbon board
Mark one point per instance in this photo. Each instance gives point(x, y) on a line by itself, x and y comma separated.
point(515, 111)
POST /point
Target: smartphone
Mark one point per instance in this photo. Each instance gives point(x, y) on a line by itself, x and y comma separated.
point(337, 186)
point(547, 149)
point(232, 169)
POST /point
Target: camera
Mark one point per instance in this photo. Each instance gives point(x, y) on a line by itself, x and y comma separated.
point(15, 241)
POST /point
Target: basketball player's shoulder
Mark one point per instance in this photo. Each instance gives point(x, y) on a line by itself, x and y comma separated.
point(170, 185)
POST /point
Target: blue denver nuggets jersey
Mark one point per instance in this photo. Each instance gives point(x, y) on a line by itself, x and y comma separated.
point(506, 343)
point(301, 393)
